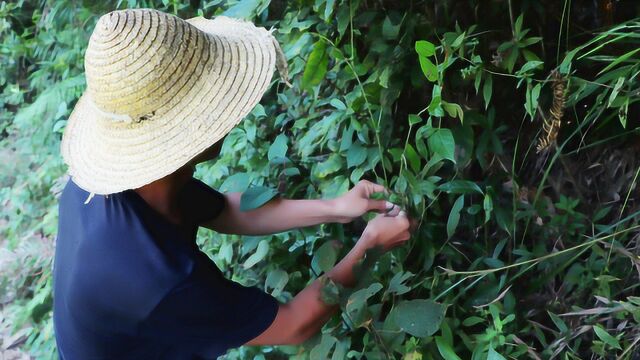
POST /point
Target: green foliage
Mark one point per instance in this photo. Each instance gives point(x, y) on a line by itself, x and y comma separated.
point(442, 102)
point(255, 197)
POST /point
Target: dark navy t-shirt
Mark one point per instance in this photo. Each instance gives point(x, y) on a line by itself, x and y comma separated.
point(130, 284)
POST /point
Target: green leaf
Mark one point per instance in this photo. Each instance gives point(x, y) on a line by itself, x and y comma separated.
point(511, 58)
point(338, 104)
point(487, 90)
point(618, 60)
point(458, 41)
point(414, 119)
point(321, 351)
point(316, 66)
point(420, 317)
point(529, 41)
point(606, 337)
point(412, 158)
point(237, 182)
point(488, 207)
point(356, 155)
point(531, 104)
point(277, 279)
point(425, 48)
point(389, 30)
point(335, 187)
point(226, 252)
point(291, 171)
point(460, 187)
point(328, 9)
point(615, 91)
point(472, 320)
point(566, 62)
point(477, 80)
point(278, 149)
point(384, 77)
point(334, 163)
point(454, 110)
point(429, 69)
point(259, 254)
point(530, 65)
point(494, 355)
point(560, 324)
point(324, 258)
point(358, 299)
point(244, 9)
point(255, 197)
point(435, 108)
point(445, 349)
point(396, 284)
point(59, 126)
point(623, 112)
point(441, 142)
point(518, 24)
point(454, 216)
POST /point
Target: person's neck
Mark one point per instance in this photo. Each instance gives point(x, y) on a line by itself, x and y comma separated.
point(162, 194)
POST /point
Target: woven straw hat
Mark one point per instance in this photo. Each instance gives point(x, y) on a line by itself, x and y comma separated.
point(160, 90)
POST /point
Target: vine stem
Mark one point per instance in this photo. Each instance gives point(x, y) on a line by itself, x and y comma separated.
point(538, 259)
point(513, 26)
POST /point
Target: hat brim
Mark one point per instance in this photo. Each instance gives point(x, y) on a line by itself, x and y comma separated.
point(106, 157)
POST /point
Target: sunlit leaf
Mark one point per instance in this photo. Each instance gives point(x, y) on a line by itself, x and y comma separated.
point(255, 197)
point(258, 255)
point(425, 48)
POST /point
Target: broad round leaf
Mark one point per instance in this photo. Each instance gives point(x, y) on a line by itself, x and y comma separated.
point(420, 318)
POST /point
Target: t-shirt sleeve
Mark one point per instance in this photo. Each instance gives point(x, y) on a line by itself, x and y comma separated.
point(212, 313)
point(201, 202)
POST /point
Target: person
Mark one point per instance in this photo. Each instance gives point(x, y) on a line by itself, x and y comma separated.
point(129, 279)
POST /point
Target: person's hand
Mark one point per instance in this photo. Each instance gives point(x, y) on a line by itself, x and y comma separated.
point(387, 231)
point(356, 202)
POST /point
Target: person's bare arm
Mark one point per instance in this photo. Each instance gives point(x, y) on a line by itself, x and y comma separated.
point(305, 315)
point(281, 214)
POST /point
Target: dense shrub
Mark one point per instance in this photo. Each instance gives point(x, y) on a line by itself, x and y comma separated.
point(508, 128)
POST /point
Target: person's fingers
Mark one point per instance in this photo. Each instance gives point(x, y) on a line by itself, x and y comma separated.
point(394, 211)
point(379, 205)
point(372, 187)
point(398, 242)
point(378, 188)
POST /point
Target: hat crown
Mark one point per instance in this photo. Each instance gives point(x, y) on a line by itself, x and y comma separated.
point(140, 61)
point(191, 81)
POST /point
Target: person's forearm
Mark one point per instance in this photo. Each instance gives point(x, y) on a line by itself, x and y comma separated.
point(275, 216)
point(302, 317)
point(308, 302)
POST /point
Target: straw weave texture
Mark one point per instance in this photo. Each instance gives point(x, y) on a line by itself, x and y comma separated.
point(160, 90)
